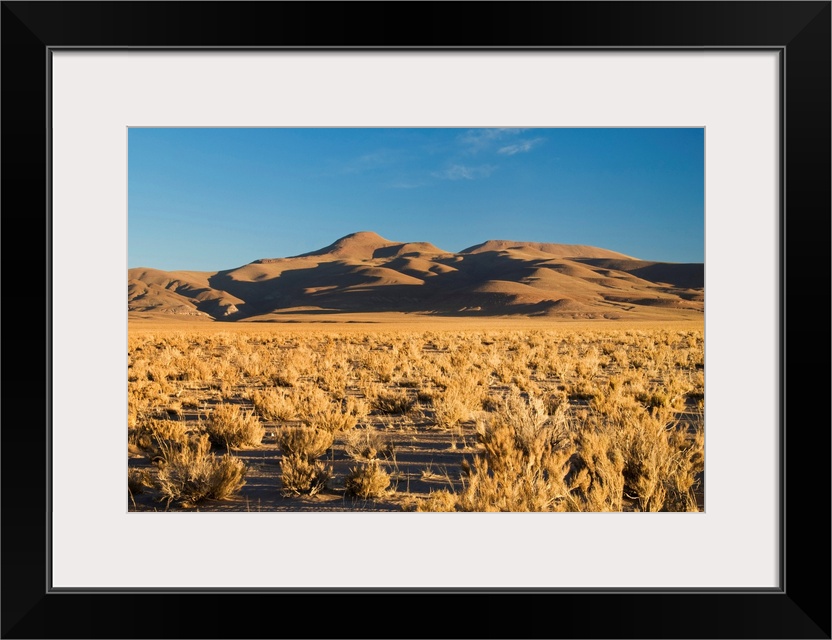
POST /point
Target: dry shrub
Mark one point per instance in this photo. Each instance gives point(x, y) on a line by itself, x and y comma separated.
point(274, 404)
point(662, 463)
point(137, 480)
point(515, 486)
point(304, 441)
point(563, 366)
point(534, 430)
point(450, 412)
point(300, 472)
point(527, 385)
point(132, 416)
point(173, 430)
point(191, 474)
point(505, 371)
point(619, 357)
point(285, 376)
point(556, 401)
point(493, 402)
point(686, 475)
point(365, 444)
point(251, 364)
point(455, 405)
point(670, 395)
point(137, 370)
point(311, 400)
point(393, 402)
point(228, 376)
point(230, 426)
point(438, 501)
point(143, 395)
point(141, 438)
point(528, 419)
point(332, 419)
point(614, 401)
point(382, 364)
point(587, 366)
point(152, 432)
point(334, 380)
point(157, 372)
point(524, 463)
point(195, 367)
point(299, 475)
point(697, 391)
point(408, 382)
point(357, 407)
point(582, 390)
point(598, 479)
point(368, 481)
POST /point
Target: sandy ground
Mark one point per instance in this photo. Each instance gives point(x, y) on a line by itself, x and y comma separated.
point(397, 322)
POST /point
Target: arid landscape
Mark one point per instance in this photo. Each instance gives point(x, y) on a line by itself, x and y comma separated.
point(363, 272)
point(378, 375)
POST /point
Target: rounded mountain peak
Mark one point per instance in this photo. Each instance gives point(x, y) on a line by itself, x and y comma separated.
point(356, 246)
point(550, 248)
point(363, 236)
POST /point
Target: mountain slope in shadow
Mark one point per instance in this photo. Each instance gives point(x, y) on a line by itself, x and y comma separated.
point(366, 273)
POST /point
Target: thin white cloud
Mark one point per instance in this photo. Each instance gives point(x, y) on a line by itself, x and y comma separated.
point(371, 161)
point(478, 139)
point(521, 147)
point(463, 172)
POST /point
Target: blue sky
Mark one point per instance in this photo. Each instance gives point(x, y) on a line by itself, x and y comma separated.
point(210, 199)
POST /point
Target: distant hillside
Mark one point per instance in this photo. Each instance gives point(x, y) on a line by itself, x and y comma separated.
point(364, 272)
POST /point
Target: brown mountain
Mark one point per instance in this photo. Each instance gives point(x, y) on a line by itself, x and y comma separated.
point(364, 272)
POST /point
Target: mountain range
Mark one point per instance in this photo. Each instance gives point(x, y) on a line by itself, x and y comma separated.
point(364, 272)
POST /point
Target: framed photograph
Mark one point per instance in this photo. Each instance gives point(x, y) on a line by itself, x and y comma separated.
point(79, 79)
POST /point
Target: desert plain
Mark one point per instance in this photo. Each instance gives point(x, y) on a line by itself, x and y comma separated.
point(374, 375)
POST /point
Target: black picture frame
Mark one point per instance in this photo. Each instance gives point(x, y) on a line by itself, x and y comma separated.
point(799, 608)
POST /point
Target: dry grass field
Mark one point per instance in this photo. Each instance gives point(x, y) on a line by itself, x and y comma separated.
point(403, 415)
